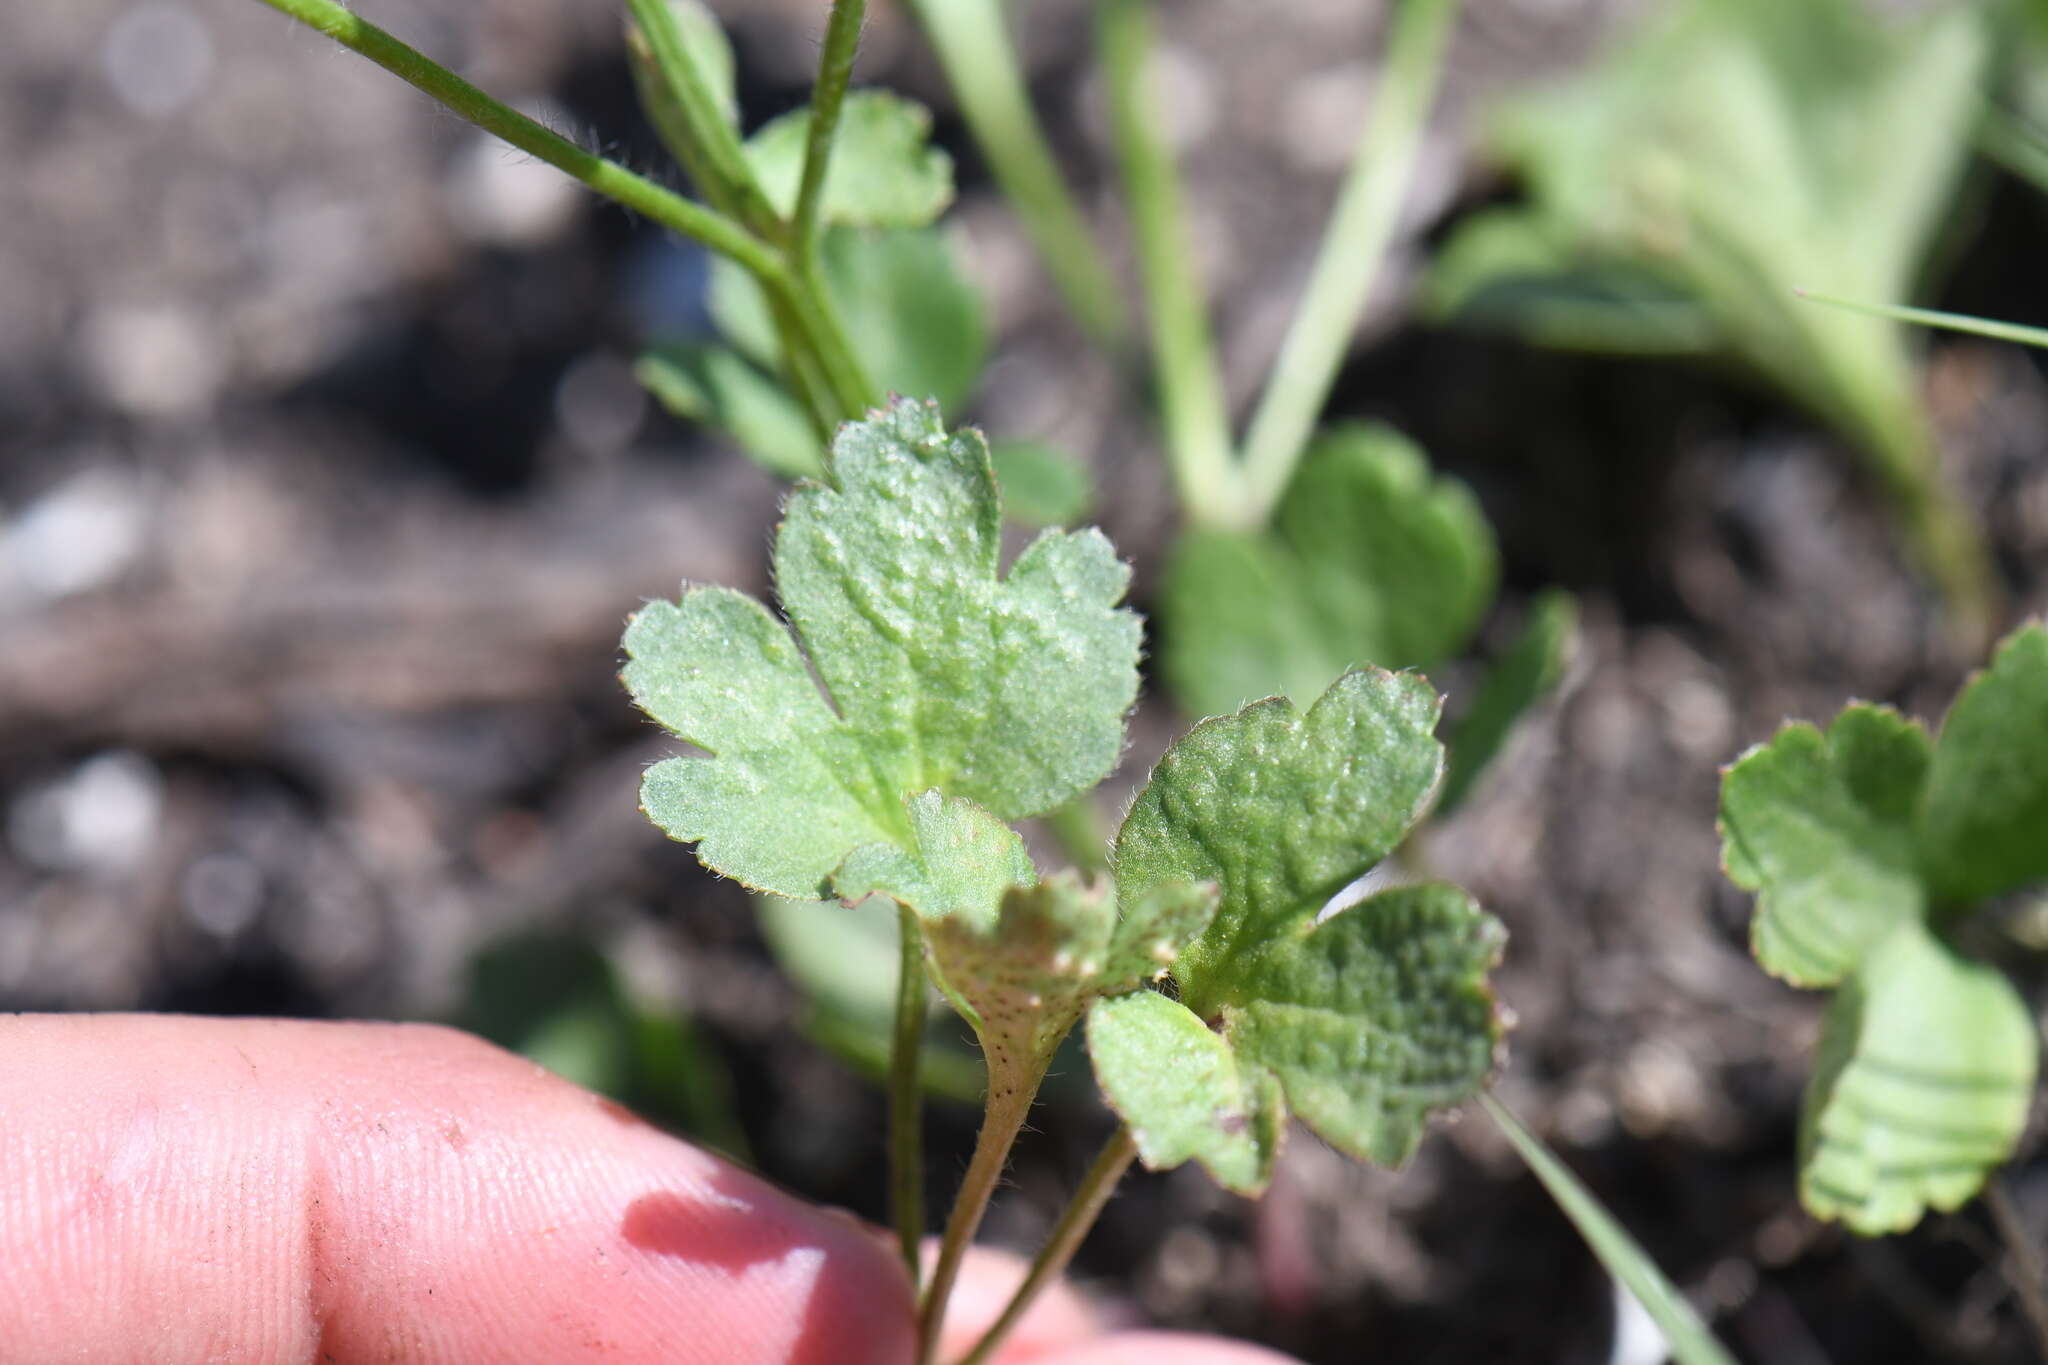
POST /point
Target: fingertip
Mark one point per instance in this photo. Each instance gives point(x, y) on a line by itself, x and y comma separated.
point(1181, 1348)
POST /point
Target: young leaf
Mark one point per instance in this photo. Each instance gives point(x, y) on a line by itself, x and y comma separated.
point(1023, 978)
point(1921, 1085)
point(1282, 810)
point(1719, 154)
point(1821, 826)
point(1186, 1093)
point(721, 388)
point(884, 171)
point(1532, 666)
point(917, 323)
point(1985, 825)
point(937, 671)
point(1368, 1019)
point(1721, 150)
point(961, 861)
point(1370, 560)
point(1854, 840)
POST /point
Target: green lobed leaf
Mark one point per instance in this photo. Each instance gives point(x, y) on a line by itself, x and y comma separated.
point(721, 388)
point(1024, 980)
point(1281, 809)
point(961, 861)
point(1920, 1088)
point(884, 172)
point(1370, 561)
point(1984, 829)
point(1527, 672)
point(918, 324)
point(937, 671)
point(1822, 827)
point(1183, 1091)
point(1379, 1016)
point(1368, 1019)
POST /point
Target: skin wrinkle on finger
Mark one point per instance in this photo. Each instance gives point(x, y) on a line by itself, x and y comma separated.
point(400, 1193)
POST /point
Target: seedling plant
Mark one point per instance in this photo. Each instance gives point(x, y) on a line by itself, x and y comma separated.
point(875, 741)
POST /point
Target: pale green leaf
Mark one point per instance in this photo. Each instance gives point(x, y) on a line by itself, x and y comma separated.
point(961, 860)
point(1985, 825)
point(1023, 980)
point(884, 172)
point(1182, 1092)
point(1281, 810)
point(1821, 827)
point(1377, 1017)
point(1718, 154)
point(1921, 1086)
point(1690, 1341)
point(1042, 485)
point(1526, 673)
point(917, 323)
point(1371, 560)
point(937, 671)
point(721, 388)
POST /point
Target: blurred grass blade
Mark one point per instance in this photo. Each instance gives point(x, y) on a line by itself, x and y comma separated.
point(1931, 317)
point(1690, 1341)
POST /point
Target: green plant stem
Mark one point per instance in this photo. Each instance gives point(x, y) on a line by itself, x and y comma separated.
point(1076, 1219)
point(2028, 1276)
point(608, 178)
point(973, 46)
point(810, 308)
point(906, 1092)
point(724, 160)
point(1001, 1120)
point(1348, 261)
point(1191, 399)
point(828, 96)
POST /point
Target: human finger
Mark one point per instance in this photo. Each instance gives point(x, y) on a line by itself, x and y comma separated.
point(280, 1191)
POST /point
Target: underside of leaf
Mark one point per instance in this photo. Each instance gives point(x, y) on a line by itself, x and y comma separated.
point(1183, 1092)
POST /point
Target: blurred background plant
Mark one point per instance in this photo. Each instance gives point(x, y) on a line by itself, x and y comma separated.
point(325, 478)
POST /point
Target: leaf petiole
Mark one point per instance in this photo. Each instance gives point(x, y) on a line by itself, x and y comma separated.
point(906, 1093)
point(1086, 1204)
